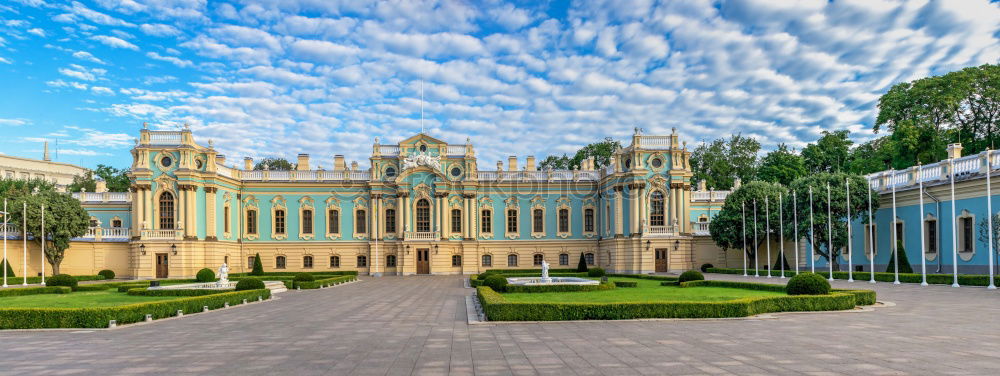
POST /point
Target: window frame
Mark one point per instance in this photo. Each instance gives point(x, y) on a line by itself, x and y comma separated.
point(512, 257)
point(280, 262)
point(307, 262)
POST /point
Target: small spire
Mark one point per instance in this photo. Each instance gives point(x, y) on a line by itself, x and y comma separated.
point(145, 125)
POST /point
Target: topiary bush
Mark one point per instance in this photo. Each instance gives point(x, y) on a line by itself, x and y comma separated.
point(304, 277)
point(482, 276)
point(249, 284)
point(582, 265)
point(691, 275)
point(626, 284)
point(496, 282)
point(595, 272)
point(10, 271)
point(205, 275)
point(258, 268)
point(107, 274)
point(904, 262)
point(704, 267)
point(808, 284)
point(61, 280)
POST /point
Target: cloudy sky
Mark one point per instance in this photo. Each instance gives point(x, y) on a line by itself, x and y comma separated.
point(325, 77)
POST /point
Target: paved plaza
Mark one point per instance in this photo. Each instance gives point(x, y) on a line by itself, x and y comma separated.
point(417, 325)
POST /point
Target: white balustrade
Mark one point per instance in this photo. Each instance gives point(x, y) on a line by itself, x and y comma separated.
point(360, 175)
point(654, 142)
point(160, 234)
point(659, 231)
point(421, 235)
point(930, 172)
point(700, 228)
point(967, 165)
point(995, 160)
point(278, 175)
point(388, 150)
point(253, 175)
point(456, 149)
point(225, 171)
point(115, 233)
point(165, 138)
point(487, 175)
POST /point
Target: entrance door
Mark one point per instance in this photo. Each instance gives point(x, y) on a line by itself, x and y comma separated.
point(161, 265)
point(423, 261)
point(661, 260)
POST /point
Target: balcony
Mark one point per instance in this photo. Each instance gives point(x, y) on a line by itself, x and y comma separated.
point(700, 228)
point(660, 231)
point(421, 235)
point(103, 197)
point(160, 234)
point(97, 234)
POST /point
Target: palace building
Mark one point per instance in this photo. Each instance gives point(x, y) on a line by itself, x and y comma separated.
point(423, 207)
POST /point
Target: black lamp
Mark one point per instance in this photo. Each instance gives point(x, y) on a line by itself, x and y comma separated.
point(677, 245)
point(435, 249)
point(173, 248)
point(142, 249)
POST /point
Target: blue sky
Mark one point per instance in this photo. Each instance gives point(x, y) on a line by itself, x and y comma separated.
point(278, 78)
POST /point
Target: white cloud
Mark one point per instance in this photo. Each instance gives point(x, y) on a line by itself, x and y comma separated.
point(170, 59)
point(82, 11)
point(84, 55)
point(5, 60)
point(82, 73)
point(100, 90)
point(159, 30)
point(323, 51)
point(14, 122)
point(37, 31)
point(114, 42)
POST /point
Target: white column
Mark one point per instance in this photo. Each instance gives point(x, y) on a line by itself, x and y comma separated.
point(954, 227)
point(895, 247)
point(923, 246)
point(989, 216)
point(850, 255)
point(743, 209)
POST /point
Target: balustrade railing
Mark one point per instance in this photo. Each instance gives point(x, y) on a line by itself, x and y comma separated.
point(421, 235)
point(654, 142)
point(960, 168)
point(165, 138)
point(456, 149)
point(654, 231)
point(388, 150)
point(699, 228)
point(103, 196)
point(116, 233)
point(160, 234)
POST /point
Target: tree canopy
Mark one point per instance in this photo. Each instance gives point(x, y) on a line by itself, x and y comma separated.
point(721, 161)
point(274, 164)
point(116, 180)
point(837, 209)
point(601, 151)
point(829, 153)
point(781, 166)
point(65, 218)
point(727, 227)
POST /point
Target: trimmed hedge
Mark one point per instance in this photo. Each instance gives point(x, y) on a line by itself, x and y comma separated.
point(535, 271)
point(125, 286)
point(292, 274)
point(626, 284)
point(934, 279)
point(35, 318)
point(645, 276)
point(177, 292)
point(497, 308)
point(326, 282)
point(205, 275)
point(690, 275)
point(37, 280)
point(303, 277)
point(35, 291)
point(107, 274)
point(704, 267)
point(560, 288)
point(249, 284)
point(496, 282)
point(808, 284)
point(595, 272)
point(61, 280)
point(94, 287)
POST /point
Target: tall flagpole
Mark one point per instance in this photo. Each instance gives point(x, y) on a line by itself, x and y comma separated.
point(871, 234)
point(795, 221)
point(767, 238)
point(989, 216)
point(923, 245)
point(781, 235)
point(743, 208)
point(812, 235)
point(756, 249)
point(5, 261)
point(829, 230)
point(895, 247)
point(850, 255)
point(24, 247)
point(954, 227)
point(43, 244)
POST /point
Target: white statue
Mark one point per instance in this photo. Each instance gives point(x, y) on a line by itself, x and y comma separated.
point(545, 272)
point(223, 275)
point(418, 159)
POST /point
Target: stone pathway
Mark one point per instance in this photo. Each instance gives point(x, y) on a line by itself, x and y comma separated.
point(417, 325)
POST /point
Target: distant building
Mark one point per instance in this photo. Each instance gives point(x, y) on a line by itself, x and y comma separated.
point(60, 174)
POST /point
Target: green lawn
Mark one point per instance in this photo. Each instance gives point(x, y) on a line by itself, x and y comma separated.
point(647, 291)
point(108, 298)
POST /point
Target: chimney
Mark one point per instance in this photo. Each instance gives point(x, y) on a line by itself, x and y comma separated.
point(512, 163)
point(247, 163)
point(220, 159)
point(955, 150)
point(338, 163)
point(45, 154)
point(303, 162)
point(530, 164)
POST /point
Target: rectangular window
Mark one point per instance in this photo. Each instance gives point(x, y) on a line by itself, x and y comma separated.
point(279, 221)
point(456, 221)
point(967, 237)
point(279, 262)
point(225, 219)
point(899, 234)
point(390, 221)
point(487, 221)
point(359, 222)
point(563, 259)
point(307, 262)
point(390, 261)
point(362, 261)
point(512, 220)
point(251, 221)
point(563, 220)
point(250, 262)
point(456, 260)
point(588, 220)
point(537, 220)
point(932, 238)
point(590, 258)
point(511, 260)
point(307, 221)
point(333, 222)
point(487, 260)
point(334, 261)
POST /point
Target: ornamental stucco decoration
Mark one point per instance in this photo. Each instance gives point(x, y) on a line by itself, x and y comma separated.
point(422, 159)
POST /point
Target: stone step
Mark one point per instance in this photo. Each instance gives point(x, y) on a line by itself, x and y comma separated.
point(275, 286)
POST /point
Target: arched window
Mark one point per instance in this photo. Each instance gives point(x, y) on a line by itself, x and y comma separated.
point(590, 258)
point(563, 220)
point(656, 209)
point(167, 211)
point(359, 222)
point(390, 261)
point(279, 221)
point(487, 260)
point(116, 223)
point(307, 221)
point(390, 221)
point(511, 260)
point(333, 222)
point(456, 260)
point(512, 220)
point(537, 260)
point(456, 221)
point(537, 220)
point(563, 259)
point(423, 215)
point(334, 261)
point(279, 262)
point(588, 220)
point(307, 262)
point(362, 261)
point(251, 221)
point(486, 219)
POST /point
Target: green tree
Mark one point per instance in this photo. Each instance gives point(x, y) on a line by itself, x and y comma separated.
point(872, 156)
point(10, 271)
point(553, 162)
point(727, 227)
point(117, 180)
point(829, 153)
point(781, 166)
point(904, 262)
point(274, 164)
point(65, 217)
point(582, 265)
point(838, 210)
point(721, 161)
point(258, 267)
point(601, 151)
point(83, 182)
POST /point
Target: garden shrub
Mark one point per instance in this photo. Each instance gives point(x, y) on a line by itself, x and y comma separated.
point(61, 280)
point(690, 275)
point(904, 262)
point(669, 283)
point(94, 287)
point(258, 268)
point(107, 274)
point(304, 277)
point(626, 284)
point(595, 272)
point(205, 275)
point(496, 282)
point(582, 265)
point(35, 291)
point(704, 267)
point(10, 271)
point(808, 284)
point(325, 282)
point(249, 284)
point(34, 318)
point(482, 276)
point(645, 276)
point(560, 288)
point(174, 292)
